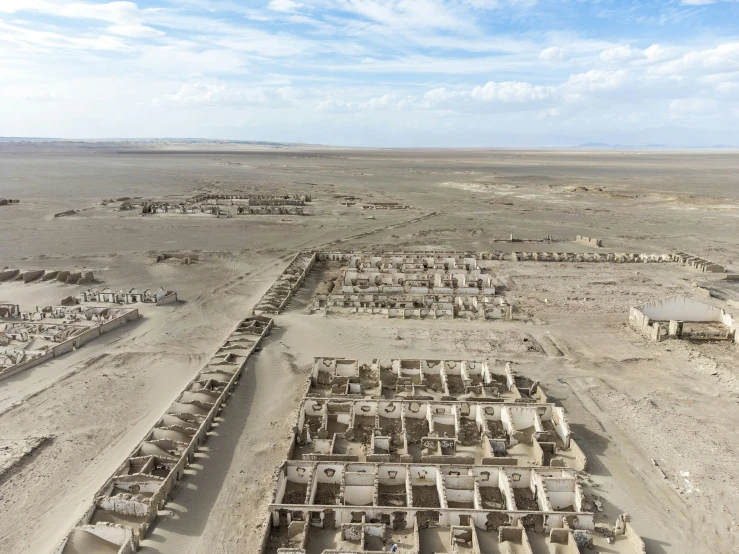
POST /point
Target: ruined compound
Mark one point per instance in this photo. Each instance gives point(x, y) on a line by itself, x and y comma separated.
point(430, 454)
point(418, 453)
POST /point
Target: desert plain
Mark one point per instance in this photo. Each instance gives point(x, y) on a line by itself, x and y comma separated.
point(658, 421)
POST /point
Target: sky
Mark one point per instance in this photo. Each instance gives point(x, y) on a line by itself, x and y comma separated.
point(427, 73)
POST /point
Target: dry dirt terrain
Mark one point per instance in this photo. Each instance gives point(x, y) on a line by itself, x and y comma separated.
point(658, 421)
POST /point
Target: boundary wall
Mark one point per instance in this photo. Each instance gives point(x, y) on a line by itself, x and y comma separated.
point(282, 290)
point(146, 479)
point(28, 276)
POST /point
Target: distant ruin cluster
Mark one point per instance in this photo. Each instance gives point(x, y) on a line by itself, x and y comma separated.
point(227, 205)
point(417, 453)
point(621, 258)
point(8, 201)
point(385, 206)
point(588, 241)
point(27, 276)
point(130, 296)
point(185, 259)
point(353, 201)
point(30, 338)
point(414, 286)
point(127, 505)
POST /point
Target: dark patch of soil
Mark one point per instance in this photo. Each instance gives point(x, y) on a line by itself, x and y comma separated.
point(393, 495)
point(496, 429)
point(393, 428)
point(363, 427)
point(525, 499)
point(492, 498)
point(294, 494)
point(314, 424)
point(433, 383)
point(469, 434)
point(327, 493)
point(426, 497)
point(416, 429)
point(455, 384)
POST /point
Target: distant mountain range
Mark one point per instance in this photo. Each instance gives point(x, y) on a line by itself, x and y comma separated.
point(547, 142)
point(605, 145)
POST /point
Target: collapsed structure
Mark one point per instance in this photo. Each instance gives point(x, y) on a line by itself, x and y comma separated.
point(126, 506)
point(431, 455)
point(72, 277)
point(385, 206)
point(30, 338)
point(409, 284)
point(8, 201)
point(618, 257)
point(227, 205)
point(256, 199)
point(185, 259)
point(683, 317)
point(443, 455)
point(414, 286)
point(279, 294)
point(159, 296)
point(430, 411)
point(588, 241)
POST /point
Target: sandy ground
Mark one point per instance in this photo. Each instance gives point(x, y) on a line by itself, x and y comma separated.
point(657, 421)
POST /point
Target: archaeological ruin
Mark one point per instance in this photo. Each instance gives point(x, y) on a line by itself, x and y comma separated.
point(70, 277)
point(221, 205)
point(126, 506)
point(30, 338)
point(130, 296)
point(681, 317)
point(416, 453)
point(424, 455)
point(411, 286)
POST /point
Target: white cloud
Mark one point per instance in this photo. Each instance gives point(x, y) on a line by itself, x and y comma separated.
point(120, 13)
point(432, 64)
point(136, 30)
point(597, 80)
point(511, 91)
point(682, 107)
point(284, 5)
point(384, 101)
point(114, 12)
point(205, 94)
point(728, 87)
point(553, 54)
point(621, 54)
point(657, 53)
point(724, 57)
point(42, 97)
point(45, 40)
point(407, 14)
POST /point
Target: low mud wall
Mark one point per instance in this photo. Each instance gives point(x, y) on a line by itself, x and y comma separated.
point(619, 257)
point(26, 365)
point(595, 243)
point(29, 276)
